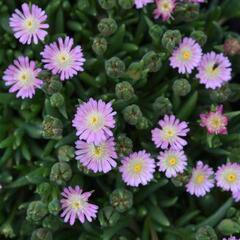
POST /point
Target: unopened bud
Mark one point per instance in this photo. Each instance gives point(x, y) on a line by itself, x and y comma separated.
point(171, 39)
point(108, 217)
point(54, 207)
point(132, 114)
point(221, 95)
point(162, 106)
point(107, 26)
point(107, 4)
point(124, 145)
point(232, 47)
point(42, 234)
point(199, 36)
point(52, 128)
point(65, 153)
point(206, 233)
point(152, 61)
point(36, 211)
point(228, 227)
point(126, 4)
point(124, 90)
point(181, 87)
point(60, 173)
point(187, 12)
point(99, 46)
point(115, 67)
point(57, 100)
point(136, 71)
point(143, 123)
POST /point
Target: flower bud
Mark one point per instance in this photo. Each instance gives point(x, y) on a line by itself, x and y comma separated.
point(124, 90)
point(162, 106)
point(57, 100)
point(232, 47)
point(54, 207)
point(124, 145)
point(171, 39)
point(199, 36)
point(181, 87)
point(228, 227)
point(99, 46)
point(41, 234)
point(51, 222)
point(65, 153)
point(107, 26)
point(143, 123)
point(126, 4)
point(180, 180)
point(132, 114)
point(44, 189)
point(52, 128)
point(60, 173)
point(114, 67)
point(136, 71)
point(52, 84)
point(206, 233)
point(36, 211)
point(121, 200)
point(108, 217)
point(152, 61)
point(107, 4)
point(156, 32)
point(187, 12)
point(221, 95)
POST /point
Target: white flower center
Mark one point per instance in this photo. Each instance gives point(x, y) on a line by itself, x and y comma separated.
point(215, 122)
point(136, 166)
point(172, 160)
point(76, 202)
point(169, 133)
point(230, 177)
point(31, 25)
point(199, 178)
point(165, 6)
point(212, 70)
point(25, 77)
point(98, 152)
point(63, 59)
point(95, 121)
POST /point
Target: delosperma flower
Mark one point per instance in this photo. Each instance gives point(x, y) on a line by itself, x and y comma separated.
point(75, 205)
point(201, 181)
point(94, 120)
point(22, 76)
point(214, 70)
point(187, 56)
point(164, 9)
point(98, 158)
point(172, 162)
point(142, 3)
point(170, 133)
point(137, 168)
point(228, 177)
point(215, 122)
point(63, 58)
point(236, 196)
point(231, 238)
point(29, 24)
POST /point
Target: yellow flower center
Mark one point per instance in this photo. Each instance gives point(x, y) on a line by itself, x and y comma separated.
point(215, 122)
point(95, 121)
point(76, 204)
point(186, 55)
point(25, 77)
point(165, 6)
point(63, 59)
point(31, 25)
point(172, 161)
point(212, 70)
point(137, 168)
point(231, 177)
point(98, 151)
point(200, 179)
point(169, 133)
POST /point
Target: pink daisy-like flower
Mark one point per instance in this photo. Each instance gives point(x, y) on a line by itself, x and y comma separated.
point(94, 121)
point(138, 168)
point(231, 238)
point(172, 162)
point(215, 122)
point(214, 70)
point(171, 133)
point(197, 1)
point(187, 56)
point(228, 177)
point(28, 26)
point(22, 76)
point(201, 180)
point(75, 205)
point(62, 58)
point(142, 3)
point(236, 196)
point(98, 158)
point(164, 9)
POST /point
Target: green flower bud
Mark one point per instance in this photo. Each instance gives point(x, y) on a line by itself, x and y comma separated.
point(108, 217)
point(107, 4)
point(114, 67)
point(52, 128)
point(107, 26)
point(156, 32)
point(126, 4)
point(232, 47)
point(124, 145)
point(136, 71)
point(221, 95)
point(65, 153)
point(171, 39)
point(152, 61)
point(180, 180)
point(36, 211)
point(51, 222)
point(228, 227)
point(44, 189)
point(54, 207)
point(162, 106)
point(99, 46)
point(206, 233)
point(52, 84)
point(132, 114)
point(124, 90)
point(199, 36)
point(60, 173)
point(42, 234)
point(187, 12)
point(7, 230)
point(57, 100)
point(181, 87)
point(143, 123)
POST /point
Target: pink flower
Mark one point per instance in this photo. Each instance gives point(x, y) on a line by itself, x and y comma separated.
point(171, 133)
point(98, 158)
point(94, 121)
point(137, 169)
point(28, 26)
point(62, 58)
point(142, 3)
point(236, 196)
point(197, 1)
point(187, 56)
point(214, 70)
point(201, 180)
point(75, 205)
point(215, 122)
point(22, 76)
point(164, 9)
point(231, 238)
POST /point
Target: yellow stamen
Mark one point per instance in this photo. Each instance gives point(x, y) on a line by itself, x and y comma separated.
point(137, 168)
point(200, 179)
point(186, 55)
point(231, 177)
point(172, 161)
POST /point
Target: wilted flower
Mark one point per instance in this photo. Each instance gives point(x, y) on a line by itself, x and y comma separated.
point(142, 3)
point(164, 9)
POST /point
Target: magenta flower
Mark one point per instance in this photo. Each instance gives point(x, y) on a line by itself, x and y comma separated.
point(172, 162)
point(75, 205)
point(94, 121)
point(201, 180)
point(171, 133)
point(62, 58)
point(22, 76)
point(215, 122)
point(228, 177)
point(98, 158)
point(187, 56)
point(214, 70)
point(138, 168)
point(28, 26)
point(142, 3)
point(164, 9)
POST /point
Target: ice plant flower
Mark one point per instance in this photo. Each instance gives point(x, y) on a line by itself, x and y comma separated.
point(22, 76)
point(94, 120)
point(231, 238)
point(172, 162)
point(187, 56)
point(62, 58)
point(98, 158)
point(214, 70)
point(142, 3)
point(164, 9)
point(170, 134)
point(201, 180)
point(28, 25)
point(75, 205)
point(137, 168)
point(228, 177)
point(197, 1)
point(236, 196)
point(215, 122)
